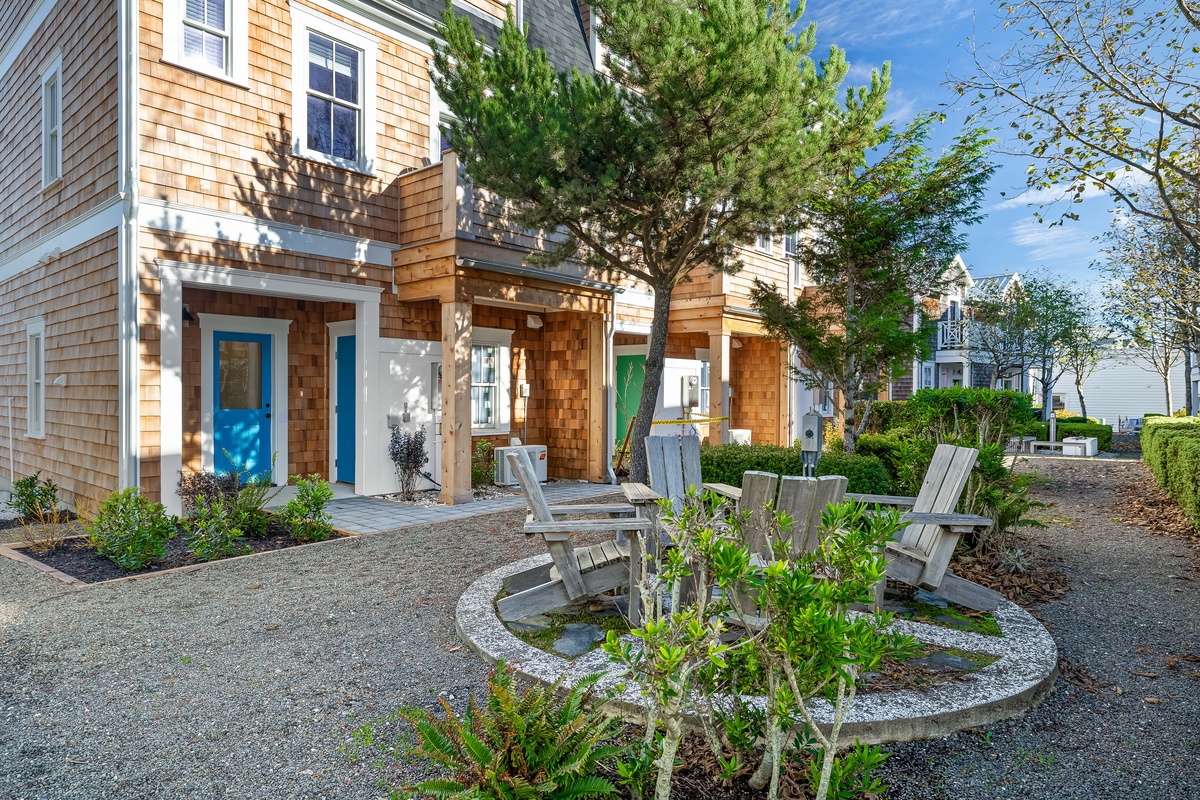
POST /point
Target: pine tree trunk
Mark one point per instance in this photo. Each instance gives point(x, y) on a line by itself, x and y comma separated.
point(651, 385)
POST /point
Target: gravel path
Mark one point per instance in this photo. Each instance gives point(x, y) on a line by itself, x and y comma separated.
point(198, 686)
point(242, 679)
point(1134, 601)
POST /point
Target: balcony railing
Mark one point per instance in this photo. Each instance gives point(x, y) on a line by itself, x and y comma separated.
point(952, 335)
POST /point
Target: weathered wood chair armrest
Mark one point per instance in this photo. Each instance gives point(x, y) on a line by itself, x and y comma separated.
point(952, 520)
point(882, 499)
point(640, 494)
point(725, 490)
point(589, 525)
point(618, 509)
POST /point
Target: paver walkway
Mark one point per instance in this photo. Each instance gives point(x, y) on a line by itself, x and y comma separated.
point(369, 515)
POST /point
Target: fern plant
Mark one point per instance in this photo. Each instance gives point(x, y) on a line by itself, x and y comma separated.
point(527, 745)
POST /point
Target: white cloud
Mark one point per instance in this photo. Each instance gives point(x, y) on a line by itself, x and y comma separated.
point(863, 22)
point(1046, 196)
point(1054, 245)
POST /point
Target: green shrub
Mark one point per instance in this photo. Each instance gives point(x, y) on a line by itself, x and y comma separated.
point(213, 530)
point(305, 516)
point(483, 464)
point(33, 496)
point(726, 463)
point(972, 417)
point(887, 415)
point(865, 474)
point(888, 448)
point(530, 745)
point(130, 530)
point(1171, 448)
point(1101, 432)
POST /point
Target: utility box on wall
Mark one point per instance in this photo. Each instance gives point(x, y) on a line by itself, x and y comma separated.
point(689, 391)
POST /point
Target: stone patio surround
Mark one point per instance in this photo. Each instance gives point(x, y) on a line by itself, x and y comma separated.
point(1021, 677)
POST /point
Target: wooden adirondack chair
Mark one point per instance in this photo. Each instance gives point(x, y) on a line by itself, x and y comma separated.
point(674, 466)
point(802, 499)
point(922, 556)
point(572, 573)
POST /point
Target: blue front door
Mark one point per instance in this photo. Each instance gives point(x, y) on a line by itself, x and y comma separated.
point(241, 402)
point(347, 394)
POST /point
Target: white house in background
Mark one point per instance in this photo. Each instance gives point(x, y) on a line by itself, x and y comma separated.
point(950, 362)
point(1122, 385)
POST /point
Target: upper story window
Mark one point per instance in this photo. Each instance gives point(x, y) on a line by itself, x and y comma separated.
point(208, 36)
point(763, 242)
point(206, 33)
point(52, 122)
point(35, 378)
point(333, 97)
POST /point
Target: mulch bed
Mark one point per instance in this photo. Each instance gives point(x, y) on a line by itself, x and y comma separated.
point(1039, 583)
point(76, 559)
point(1144, 504)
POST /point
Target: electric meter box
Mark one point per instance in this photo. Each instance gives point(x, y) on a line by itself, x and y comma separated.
point(812, 426)
point(689, 391)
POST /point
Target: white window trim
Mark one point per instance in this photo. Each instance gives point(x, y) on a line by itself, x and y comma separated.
point(52, 70)
point(277, 329)
point(438, 113)
point(759, 241)
point(502, 340)
point(35, 327)
point(305, 20)
point(237, 66)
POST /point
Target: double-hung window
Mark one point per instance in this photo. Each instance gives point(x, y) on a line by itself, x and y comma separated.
point(705, 376)
point(35, 377)
point(485, 389)
point(52, 123)
point(334, 100)
point(207, 32)
point(208, 36)
point(333, 90)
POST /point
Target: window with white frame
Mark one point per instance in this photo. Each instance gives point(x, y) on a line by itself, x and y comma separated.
point(705, 376)
point(207, 33)
point(485, 385)
point(333, 101)
point(208, 36)
point(52, 122)
point(491, 381)
point(35, 377)
point(763, 241)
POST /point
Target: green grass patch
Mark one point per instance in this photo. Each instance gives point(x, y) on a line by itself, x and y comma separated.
point(975, 623)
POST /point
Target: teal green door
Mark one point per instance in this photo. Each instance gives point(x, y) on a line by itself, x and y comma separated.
point(631, 374)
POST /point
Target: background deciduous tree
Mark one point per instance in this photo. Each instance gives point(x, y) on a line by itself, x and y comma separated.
point(999, 324)
point(882, 235)
point(715, 123)
point(1102, 94)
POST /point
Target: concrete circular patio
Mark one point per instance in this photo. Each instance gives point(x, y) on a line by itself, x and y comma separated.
point(1023, 674)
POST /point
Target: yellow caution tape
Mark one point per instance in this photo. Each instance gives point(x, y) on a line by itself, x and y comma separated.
point(698, 420)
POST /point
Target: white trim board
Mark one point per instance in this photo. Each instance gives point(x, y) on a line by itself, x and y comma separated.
point(78, 231)
point(28, 29)
point(253, 233)
point(277, 329)
point(269, 283)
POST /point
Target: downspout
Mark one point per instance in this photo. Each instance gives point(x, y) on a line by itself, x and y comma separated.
point(127, 249)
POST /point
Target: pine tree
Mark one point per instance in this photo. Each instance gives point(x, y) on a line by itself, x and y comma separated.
point(711, 125)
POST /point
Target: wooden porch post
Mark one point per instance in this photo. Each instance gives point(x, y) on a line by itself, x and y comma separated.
point(784, 399)
point(718, 386)
point(598, 445)
point(456, 401)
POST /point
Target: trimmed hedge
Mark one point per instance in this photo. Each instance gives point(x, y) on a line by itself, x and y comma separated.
point(1171, 448)
point(727, 463)
point(1101, 432)
point(865, 474)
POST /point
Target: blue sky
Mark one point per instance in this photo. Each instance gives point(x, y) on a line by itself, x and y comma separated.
point(925, 40)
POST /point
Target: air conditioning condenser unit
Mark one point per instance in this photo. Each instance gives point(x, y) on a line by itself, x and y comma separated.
point(506, 476)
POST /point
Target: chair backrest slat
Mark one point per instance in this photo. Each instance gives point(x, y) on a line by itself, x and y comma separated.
point(690, 447)
point(672, 472)
point(655, 468)
point(796, 498)
point(953, 481)
point(758, 489)
point(518, 461)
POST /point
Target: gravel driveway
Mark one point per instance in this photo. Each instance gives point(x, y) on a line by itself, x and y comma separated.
point(242, 679)
point(1134, 601)
point(199, 686)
